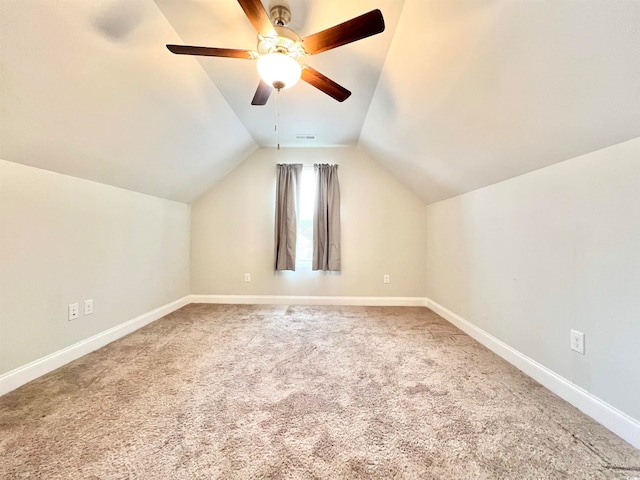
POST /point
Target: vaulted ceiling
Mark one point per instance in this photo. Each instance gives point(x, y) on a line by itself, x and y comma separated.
point(453, 96)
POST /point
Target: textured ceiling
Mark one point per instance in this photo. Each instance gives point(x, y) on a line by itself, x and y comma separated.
point(453, 96)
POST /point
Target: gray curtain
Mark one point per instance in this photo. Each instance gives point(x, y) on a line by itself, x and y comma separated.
point(287, 182)
point(326, 219)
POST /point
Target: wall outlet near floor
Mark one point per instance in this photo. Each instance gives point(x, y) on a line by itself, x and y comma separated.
point(577, 341)
point(74, 311)
point(88, 306)
point(247, 277)
point(386, 278)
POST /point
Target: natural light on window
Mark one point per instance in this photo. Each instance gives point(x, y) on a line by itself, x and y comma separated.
point(304, 245)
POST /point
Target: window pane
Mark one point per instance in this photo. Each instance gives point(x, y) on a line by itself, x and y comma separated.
point(304, 245)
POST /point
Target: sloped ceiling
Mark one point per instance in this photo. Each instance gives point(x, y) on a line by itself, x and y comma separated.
point(453, 96)
point(474, 92)
point(88, 90)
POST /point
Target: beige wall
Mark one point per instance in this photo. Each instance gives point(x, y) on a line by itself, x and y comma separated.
point(383, 231)
point(64, 240)
point(530, 258)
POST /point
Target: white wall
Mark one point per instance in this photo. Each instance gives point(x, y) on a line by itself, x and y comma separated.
point(528, 259)
point(64, 240)
point(383, 231)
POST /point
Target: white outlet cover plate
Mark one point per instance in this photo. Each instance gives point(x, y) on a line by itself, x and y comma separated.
point(74, 311)
point(577, 341)
point(88, 307)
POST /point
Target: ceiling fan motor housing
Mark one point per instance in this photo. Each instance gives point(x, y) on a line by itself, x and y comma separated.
point(286, 42)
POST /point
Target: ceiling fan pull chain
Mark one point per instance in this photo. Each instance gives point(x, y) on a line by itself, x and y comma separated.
point(277, 125)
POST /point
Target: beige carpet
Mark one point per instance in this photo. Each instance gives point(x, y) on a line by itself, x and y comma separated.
point(230, 391)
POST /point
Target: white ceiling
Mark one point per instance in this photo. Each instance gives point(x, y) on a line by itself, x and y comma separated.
point(89, 89)
point(474, 92)
point(454, 95)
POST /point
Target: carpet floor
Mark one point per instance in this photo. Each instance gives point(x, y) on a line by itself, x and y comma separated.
point(299, 392)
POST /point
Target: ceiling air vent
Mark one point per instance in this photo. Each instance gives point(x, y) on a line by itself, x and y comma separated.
point(307, 136)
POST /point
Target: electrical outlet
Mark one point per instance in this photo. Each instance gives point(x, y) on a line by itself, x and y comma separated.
point(74, 311)
point(386, 278)
point(247, 277)
point(577, 341)
point(88, 307)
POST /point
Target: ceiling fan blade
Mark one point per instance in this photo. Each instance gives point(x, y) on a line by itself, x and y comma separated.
point(324, 84)
point(258, 16)
point(210, 51)
point(262, 94)
point(357, 28)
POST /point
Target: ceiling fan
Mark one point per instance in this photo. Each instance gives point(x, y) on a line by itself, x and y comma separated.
point(280, 49)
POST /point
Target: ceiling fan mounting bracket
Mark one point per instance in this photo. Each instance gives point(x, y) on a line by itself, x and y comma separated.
point(280, 15)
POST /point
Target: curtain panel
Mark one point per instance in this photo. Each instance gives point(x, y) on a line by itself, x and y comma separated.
point(326, 219)
point(287, 200)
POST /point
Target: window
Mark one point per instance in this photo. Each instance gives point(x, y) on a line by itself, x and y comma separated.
point(304, 242)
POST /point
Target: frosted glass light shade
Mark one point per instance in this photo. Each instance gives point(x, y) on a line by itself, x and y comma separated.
point(279, 70)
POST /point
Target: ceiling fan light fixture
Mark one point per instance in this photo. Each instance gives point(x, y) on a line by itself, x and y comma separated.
point(279, 70)
point(280, 49)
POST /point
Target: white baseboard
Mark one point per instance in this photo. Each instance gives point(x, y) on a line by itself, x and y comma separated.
point(310, 300)
point(21, 375)
point(618, 422)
